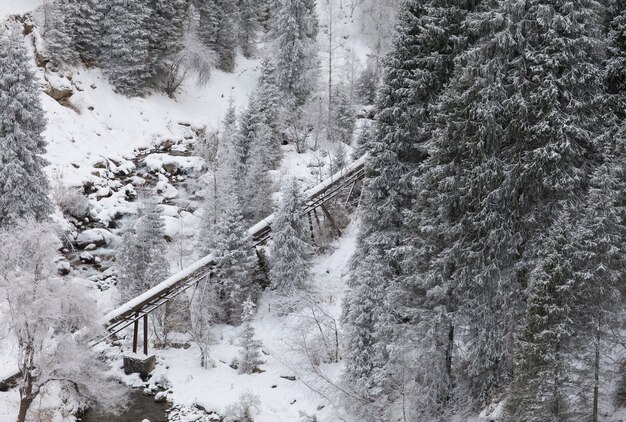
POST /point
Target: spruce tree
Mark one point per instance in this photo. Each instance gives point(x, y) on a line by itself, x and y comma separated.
point(23, 183)
point(218, 30)
point(226, 234)
point(427, 40)
point(232, 247)
point(166, 29)
point(260, 121)
point(290, 250)
point(248, 26)
point(86, 21)
point(59, 41)
point(294, 29)
point(538, 393)
point(127, 58)
point(259, 185)
point(250, 355)
point(342, 125)
point(141, 256)
point(368, 328)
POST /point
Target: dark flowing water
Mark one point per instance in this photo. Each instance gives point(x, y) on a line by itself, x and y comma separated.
point(141, 407)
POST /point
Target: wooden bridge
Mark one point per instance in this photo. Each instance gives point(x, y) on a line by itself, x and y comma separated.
point(140, 307)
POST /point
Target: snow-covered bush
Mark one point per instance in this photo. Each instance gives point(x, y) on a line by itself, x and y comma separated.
point(70, 200)
point(244, 409)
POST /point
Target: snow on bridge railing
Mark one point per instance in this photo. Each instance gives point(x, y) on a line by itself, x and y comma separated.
point(157, 290)
point(315, 190)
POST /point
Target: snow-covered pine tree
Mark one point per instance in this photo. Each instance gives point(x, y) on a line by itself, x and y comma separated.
point(259, 185)
point(260, 121)
point(23, 183)
point(232, 246)
point(294, 29)
point(501, 170)
point(166, 31)
point(342, 125)
point(59, 42)
point(416, 70)
point(224, 231)
point(218, 30)
point(141, 259)
point(227, 172)
point(538, 392)
point(249, 358)
point(127, 57)
point(290, 250)
point(141, 255)
point(249, 11)
point(86, 20)
point(368, 330)
point(599, 264)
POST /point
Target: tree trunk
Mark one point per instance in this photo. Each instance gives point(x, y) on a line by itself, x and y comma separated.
point(596, 374)
point(25, 403)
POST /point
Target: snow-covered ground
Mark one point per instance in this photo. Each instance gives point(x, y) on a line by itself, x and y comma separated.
point(16, 7)
point(281, 399)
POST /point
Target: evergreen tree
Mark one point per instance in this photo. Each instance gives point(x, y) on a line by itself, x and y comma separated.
point(342, 125)
point(598, 300)
point(141, 261)
point(418, 68)
point(260, 121)
point(226, 234)
point(141, 256)
point(368, 329)
point(538, 393)
point(290, 250)
point(59, 41)
point(234, 252)
point(127, 58)
point(248, 26)
point(166, 30)
point(294, 29)
point(86, 21)
point(218, 30)
point(250, 354)
point(23, 183)
point(259, 185)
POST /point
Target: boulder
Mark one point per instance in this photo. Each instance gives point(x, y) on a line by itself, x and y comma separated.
point(98, 237)
point(86, 258)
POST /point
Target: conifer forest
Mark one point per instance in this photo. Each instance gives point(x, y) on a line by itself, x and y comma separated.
point(313, 210)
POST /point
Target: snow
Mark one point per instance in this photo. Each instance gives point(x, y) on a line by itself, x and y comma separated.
point(159, 288)
point(93, 236)
point(18, 7)
point(216, 388)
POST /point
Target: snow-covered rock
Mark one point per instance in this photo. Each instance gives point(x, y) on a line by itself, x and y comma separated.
point(165, 163)
point(86, 258)
point(98, 237)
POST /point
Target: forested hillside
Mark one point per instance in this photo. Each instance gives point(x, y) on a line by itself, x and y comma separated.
point(301, 210)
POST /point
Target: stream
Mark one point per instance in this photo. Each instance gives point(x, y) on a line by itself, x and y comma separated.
point(141, 407)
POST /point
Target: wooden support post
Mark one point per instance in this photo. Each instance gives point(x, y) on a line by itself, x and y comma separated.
point(311, 228)
point(317, 219)
point(135, 333)
point(145, 334)
point(332, 222)
point(351, 191)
